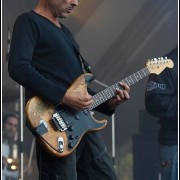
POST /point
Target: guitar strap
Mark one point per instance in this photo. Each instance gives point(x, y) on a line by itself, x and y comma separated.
point(74, 45)
point(87, 67)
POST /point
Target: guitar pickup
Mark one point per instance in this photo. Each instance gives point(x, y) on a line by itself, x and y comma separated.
point(60, 144)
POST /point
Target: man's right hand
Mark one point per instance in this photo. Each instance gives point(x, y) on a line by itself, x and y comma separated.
point(77, 99)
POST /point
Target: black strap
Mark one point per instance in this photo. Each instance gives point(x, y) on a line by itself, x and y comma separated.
point(70, 37)
point(87, 67)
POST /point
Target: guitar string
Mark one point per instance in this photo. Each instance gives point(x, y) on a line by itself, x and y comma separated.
point(110, 91)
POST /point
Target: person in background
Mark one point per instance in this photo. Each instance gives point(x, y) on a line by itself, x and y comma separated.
point(161, 101)
point(10, 149)
point(45, 59)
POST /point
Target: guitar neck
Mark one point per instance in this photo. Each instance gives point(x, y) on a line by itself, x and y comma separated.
point(110, 91)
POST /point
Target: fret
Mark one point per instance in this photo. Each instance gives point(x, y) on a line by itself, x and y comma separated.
point(97, 100)
point(130, 82)
point(125, 81)
point(131, 79)
point(104, 95)
point(139, 75)
point(111, 88)
point(100, 97)
point(108, 94)
point(143, 72)
point(116, 86)
point(135, 77)
point(95, 104)
point(146, 70)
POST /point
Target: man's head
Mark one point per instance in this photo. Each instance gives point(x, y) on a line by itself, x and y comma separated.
point(10, 125)
point(61, 8)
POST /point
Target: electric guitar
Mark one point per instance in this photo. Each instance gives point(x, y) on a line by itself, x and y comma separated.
point(61, 129)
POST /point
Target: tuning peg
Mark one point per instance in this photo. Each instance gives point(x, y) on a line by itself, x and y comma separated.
point(165, 57)
point(159, 58)
point(162, 58)
point(155, 59)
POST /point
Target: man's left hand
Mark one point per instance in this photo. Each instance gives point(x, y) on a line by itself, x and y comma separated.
point(121, 96)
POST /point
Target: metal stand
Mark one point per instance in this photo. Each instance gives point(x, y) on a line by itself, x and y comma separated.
point(113, 138)
point(159, 176)
point(22, 137)
point(22, 121)
point(113, 125)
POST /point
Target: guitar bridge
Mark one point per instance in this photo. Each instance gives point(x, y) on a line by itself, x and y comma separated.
point(59, 122)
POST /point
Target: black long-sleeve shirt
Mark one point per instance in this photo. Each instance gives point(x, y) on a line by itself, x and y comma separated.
point(41, 59)
point(44, 58)
point(161, 100)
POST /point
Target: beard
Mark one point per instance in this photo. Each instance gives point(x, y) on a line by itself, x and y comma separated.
point(59, 10)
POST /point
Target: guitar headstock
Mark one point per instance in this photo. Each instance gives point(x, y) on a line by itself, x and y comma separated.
point(157, 65)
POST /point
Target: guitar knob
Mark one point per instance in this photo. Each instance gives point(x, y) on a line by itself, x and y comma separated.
point(77, 116)
point(70, 145)
point(77, 137)
point(71, 137)
point(71, 128)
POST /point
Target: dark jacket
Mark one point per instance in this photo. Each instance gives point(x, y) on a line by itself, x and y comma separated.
point(161, 100)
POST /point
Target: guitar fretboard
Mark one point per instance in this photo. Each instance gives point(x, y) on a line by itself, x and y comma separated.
point(110, 91)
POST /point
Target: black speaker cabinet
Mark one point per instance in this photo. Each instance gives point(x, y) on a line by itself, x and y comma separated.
point(145, 149)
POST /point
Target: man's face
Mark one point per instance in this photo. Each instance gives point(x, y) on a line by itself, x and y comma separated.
point(11, 126)
point(62, 8)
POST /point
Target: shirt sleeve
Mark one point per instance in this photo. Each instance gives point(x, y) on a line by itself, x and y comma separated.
point(161, 98)
point(20, 68)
